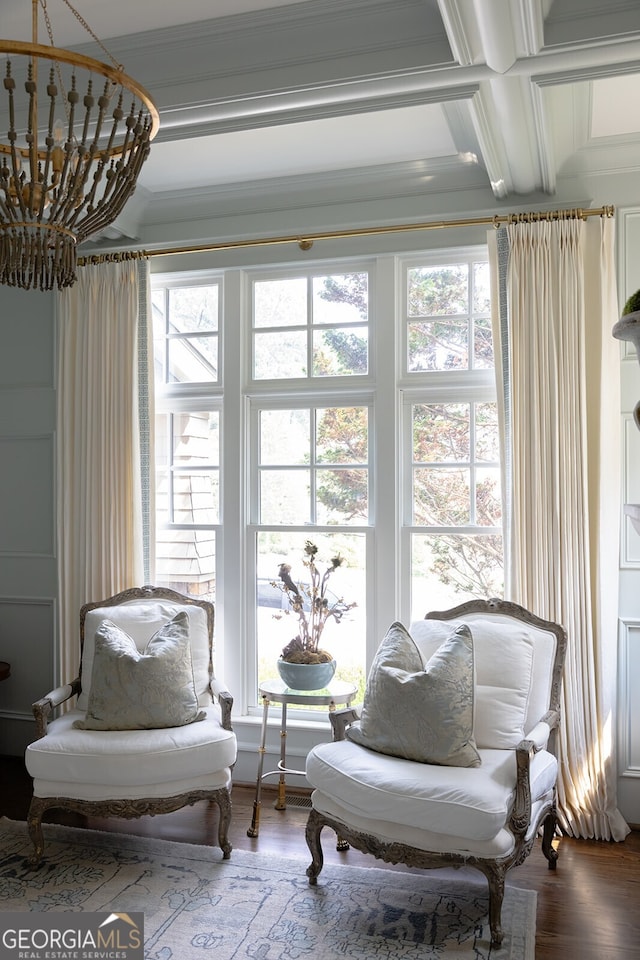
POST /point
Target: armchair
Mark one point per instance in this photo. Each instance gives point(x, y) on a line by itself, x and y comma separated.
point(482, 804)
point(150, 730)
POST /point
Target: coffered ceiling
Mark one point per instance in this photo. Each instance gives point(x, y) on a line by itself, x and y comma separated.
point(446, 105)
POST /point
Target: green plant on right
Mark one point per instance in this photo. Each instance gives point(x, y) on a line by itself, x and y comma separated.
point(633, 304)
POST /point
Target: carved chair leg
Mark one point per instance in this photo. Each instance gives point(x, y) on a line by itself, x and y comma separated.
point(315, 823)
point(495, 876)
point(224, 804)
point(548, 833)
point(34, 823)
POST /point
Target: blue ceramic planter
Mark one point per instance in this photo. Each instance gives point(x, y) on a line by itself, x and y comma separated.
point(306, 676)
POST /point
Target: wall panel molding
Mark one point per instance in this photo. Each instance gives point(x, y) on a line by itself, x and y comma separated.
point(27, 642)
point(628, 706)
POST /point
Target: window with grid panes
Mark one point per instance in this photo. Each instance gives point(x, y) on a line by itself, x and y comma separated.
point(452, 508)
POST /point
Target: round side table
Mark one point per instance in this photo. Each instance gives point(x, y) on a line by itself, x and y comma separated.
point(276, 691)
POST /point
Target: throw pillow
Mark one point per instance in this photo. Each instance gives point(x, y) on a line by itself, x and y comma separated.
point(419, 712)
point(504, 663)
point(131, 690)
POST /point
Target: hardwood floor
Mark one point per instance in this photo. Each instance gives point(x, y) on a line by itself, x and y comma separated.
point(588, 908)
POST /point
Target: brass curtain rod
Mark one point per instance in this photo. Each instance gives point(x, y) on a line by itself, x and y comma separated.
point(305, 242)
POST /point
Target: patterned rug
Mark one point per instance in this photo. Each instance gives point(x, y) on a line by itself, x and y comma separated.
point(197, 906)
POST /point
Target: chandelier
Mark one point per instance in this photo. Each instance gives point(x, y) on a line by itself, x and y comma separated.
point(78, 133)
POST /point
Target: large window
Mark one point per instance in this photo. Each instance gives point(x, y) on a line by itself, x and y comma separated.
point(347, 403)
point(452, 503)
point(309, 463)
point(186, 322)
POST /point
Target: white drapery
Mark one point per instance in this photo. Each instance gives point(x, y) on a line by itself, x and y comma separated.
point(555, 304)
point(104, 433)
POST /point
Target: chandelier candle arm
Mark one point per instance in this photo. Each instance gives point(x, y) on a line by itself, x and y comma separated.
point(71, 157)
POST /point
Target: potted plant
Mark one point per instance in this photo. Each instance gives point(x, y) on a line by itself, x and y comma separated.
point(304, 665)
point(628, 326)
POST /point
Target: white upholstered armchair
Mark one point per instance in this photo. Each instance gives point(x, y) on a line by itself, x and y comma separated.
point(150, 730)
point(452, 759)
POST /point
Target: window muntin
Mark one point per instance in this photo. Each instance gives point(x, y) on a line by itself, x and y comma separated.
point(448, 317)
point(186, 333)
point(311, 326)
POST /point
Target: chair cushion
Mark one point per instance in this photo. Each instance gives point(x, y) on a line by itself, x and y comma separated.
point(102, 764)
point(140, 618)
point(504, 663)
point(418, 712)
point(133, 690)
point(469, 803)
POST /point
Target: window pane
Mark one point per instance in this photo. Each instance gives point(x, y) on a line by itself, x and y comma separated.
point(447, 570)
point(193, 359)
point(342, 496)
point(280, 303)
point(193, 309)
point(280, 356)
point(342, 435)
point(196, 438)
point(187, 447)
point(284, 437)
point(186, 561)
point(276, 627)
point(342, 298)
point(441, 433)
point(196, 497)
point(438, 291)
point(481, 288)
point(487, 439)
point(438, 345)
point(482, 344)
point(441, 497)
point(340, 352)
point(284, 496)
point(488, 499)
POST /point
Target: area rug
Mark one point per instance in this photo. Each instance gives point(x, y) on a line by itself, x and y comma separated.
point(197, 906)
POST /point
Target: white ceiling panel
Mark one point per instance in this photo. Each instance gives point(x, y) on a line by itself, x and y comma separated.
point(338, 143)
point(615, 106)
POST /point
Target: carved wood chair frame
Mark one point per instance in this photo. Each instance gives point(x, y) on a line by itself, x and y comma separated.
point(519, 820)
point(130, 808)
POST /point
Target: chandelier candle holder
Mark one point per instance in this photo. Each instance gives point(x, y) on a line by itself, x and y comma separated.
point(78, 133)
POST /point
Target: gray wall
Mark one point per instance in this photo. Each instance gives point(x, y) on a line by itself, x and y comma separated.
point(27, 508)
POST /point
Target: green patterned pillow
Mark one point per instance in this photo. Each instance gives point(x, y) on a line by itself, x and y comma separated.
point(420, 712)
point(132, 690)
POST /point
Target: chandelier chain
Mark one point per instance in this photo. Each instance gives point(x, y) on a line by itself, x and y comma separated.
point(84, 24)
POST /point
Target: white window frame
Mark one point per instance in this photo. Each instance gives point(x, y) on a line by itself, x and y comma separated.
point(388, 390)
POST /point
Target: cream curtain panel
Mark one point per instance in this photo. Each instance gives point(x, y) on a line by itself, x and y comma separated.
point(104, 433)
point(555, 304)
